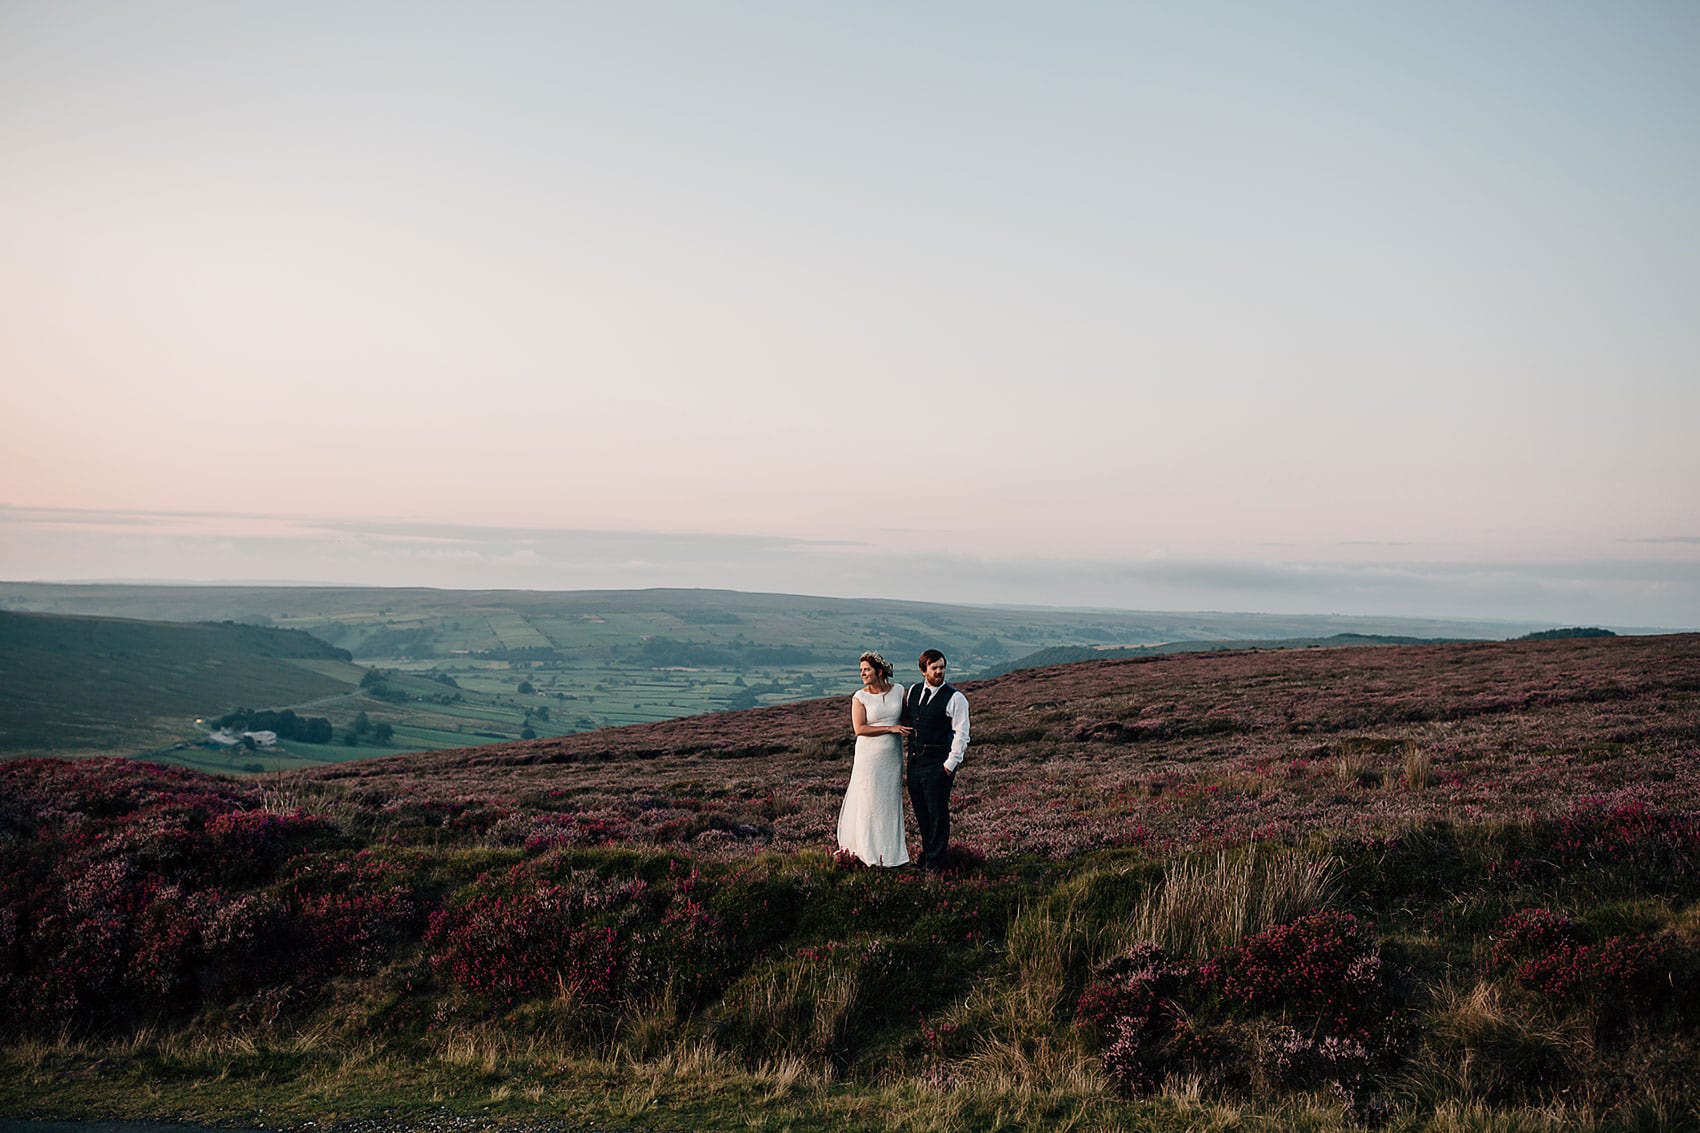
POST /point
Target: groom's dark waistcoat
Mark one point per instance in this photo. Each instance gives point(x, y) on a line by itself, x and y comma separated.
point(934, 729)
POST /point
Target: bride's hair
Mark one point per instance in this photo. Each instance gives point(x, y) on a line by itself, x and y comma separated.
point(880, 664)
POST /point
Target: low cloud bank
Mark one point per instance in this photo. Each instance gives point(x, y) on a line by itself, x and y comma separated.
point(49, 545)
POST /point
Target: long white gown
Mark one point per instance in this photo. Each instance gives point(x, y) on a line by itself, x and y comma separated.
point(870, 824)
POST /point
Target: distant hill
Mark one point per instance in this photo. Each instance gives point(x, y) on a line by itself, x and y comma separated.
point(126, 686)
point(579, 627)
point(1561, 634)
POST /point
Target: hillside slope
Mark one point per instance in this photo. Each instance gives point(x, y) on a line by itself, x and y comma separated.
point(78, 683)
point(1177, 747)
point(1426, 887)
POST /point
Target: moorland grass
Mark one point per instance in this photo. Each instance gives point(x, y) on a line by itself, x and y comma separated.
point(864, 1003)
point(650, 936)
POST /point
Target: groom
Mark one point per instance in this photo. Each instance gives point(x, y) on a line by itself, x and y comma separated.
point(939, 716)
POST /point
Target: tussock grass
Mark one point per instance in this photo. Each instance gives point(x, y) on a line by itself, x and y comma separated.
point(1418, 766)
point(1028, 1066)
point(1356, 770)
point(1483, 1042)
point(1207, 905)
point(803, 1008)
point(476, 1050)
point(651, 1025)
point(1047, 942)
point(323, 798)
point(1023, 1048)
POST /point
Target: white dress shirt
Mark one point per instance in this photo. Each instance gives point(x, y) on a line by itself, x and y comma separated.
point(957, 710)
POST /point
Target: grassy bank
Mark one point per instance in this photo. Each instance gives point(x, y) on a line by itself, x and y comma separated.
point(606, 986)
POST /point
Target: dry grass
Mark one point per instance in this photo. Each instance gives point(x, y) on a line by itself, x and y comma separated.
point(808, 1008)
point(1356, 770)
point(1207, 905)
point(325, 799)
point(651, 1025)
point(36, 1051)
point(1048, 940)
point(1418, 766)
point(1014, 1065)
point(1460, 1117)
point(1483, 1042)
point(694, 1063)
point(1023, 1051)
point(480, 1051)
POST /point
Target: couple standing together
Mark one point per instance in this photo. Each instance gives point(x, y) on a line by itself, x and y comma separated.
point(933, 716)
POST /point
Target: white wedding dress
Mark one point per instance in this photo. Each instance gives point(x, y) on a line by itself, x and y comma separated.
point(870, 824)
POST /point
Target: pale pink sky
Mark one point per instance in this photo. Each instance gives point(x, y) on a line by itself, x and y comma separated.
point(1323, 284)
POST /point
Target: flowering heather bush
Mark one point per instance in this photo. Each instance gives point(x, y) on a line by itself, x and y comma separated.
point(602, 827)
point(1323, 969)
point(1134, 987)
point(1621, 975)
point(347, 914)
point(1532, 932)
point(510, 941)
point(524, 933)
point(1158, 1016)
point(121, 883)
point(1299, 1059)
point(1135, 1005)
point(250, 845)
point(692, 857)
point(1663, 843)
point(166, 941)
point(1071, 760)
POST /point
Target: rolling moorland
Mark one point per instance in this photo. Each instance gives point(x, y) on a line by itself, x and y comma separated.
point(76, 684)
point(460, 667)
point(1425, 887)
point(93, 684)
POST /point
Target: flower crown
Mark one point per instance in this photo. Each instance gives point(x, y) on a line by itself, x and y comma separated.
point(878, 662)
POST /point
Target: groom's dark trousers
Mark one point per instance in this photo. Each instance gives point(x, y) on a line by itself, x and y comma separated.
point(929, 782)
point(929, 794)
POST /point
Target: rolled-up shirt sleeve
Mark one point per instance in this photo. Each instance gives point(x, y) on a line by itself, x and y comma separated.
point(958, 710)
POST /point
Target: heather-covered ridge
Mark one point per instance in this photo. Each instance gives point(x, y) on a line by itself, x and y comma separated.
point(1185, 749)
point(1448, 887)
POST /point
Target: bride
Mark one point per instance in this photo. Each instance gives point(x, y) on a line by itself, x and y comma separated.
point(870, 825)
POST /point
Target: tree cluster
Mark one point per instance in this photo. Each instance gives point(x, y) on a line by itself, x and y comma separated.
point(287, 725)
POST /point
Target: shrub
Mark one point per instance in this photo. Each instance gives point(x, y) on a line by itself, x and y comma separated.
point(1620, 976)
point(1532, 932)
point(1656, 844)
point(514, 936)
point(1134, 1005)
point(507, 945)
point(1323, 969)
point(348, 914)
point(249, 845)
